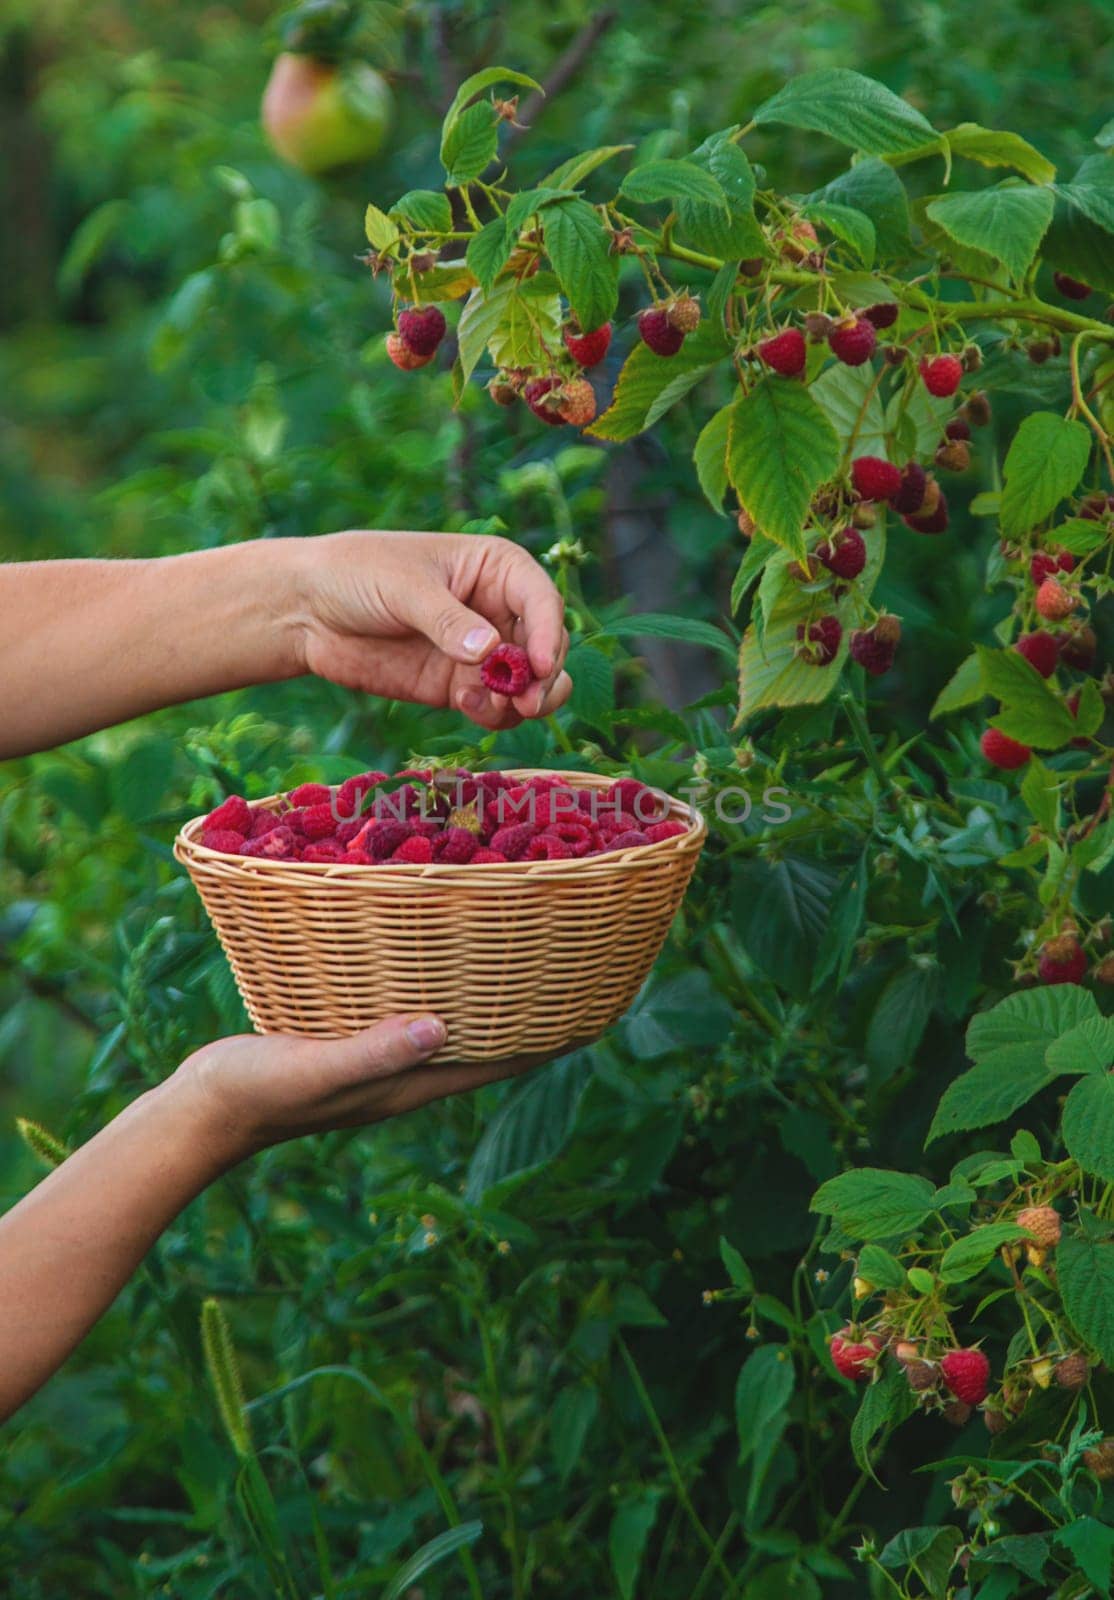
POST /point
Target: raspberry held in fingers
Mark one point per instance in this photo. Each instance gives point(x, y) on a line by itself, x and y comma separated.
point(507, 671)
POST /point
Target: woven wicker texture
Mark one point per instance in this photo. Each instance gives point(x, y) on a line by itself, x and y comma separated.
point(522, 958)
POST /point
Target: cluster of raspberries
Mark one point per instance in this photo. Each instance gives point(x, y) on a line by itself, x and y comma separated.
point(454, 816)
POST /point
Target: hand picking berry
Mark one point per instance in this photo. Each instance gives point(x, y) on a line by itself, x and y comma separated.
point(507, 671)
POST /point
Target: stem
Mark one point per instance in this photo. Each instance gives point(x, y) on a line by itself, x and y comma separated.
point(495, 1403)
point(1079, 404)
point(861, 731)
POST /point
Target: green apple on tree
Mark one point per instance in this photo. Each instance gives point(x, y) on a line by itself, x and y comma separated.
point(322, 107)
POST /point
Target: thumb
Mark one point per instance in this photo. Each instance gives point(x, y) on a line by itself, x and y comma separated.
point(462, 634)
point(387, 1048)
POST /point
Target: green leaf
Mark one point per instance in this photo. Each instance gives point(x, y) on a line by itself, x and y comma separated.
point(630, 1530)
point(885, 1404)
point(1040, 790)
point(1088, 1047)
point(759, 552)
point(1032, 1019)
point(1088, 1124)
point(900, 1017)
point(857, 111)
point(853, 227)
point(593, 686)
point(763, 1392)
point(710, 457)
point(476, 84)
point(963, 688)
point(88, 241)
point(381, 232)
point(782, 448)
point(1091, 1544)
point(1079, 536)
point(1033, 711)
point(657, 625)
point(530, 1126)
point(469, 144)
point(992, 149)
point(670, 181)
point(570, 1421)
point(427, 210)
point(929, 1553)
point(732, 232)
point(431, 1555)
point(874, 188)
point(513, 321)
point(571, 173)
point(1078, 242)
point(737, 1269)
point(1044, 464)
point(880, 1268)
point(1085, 1271)
point(968, 1256)
point(779, 910)
point(870, 1203)
point(845, 396)
point(649, 384)
point(1007, 223)
point(488, 252)
point(578, 246)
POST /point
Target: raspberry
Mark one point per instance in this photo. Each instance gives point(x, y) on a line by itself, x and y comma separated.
point(382, 839)
point(853, 340)
point(684, 313)
point(967, 1375)
point(855, 1358)
point(1073, 1372)
point(536, 395)
point(1104, 972)
point(402, 355)
point(1071, 288)
point(1043, 1222)
point(953, 455)
point(910, 497)
point(485, 857)
point(507, 671)
point(347, 832)
point(1041, 650)
point(511, 842)
point(325, 850)
point(422, 328)
point(318, 822)
point(976, 408)
point(872, 652)
point(941, 375)
point(934, 521)
point(636, 798)
point(785, 353)
point(1077, 648)
point(819, 641)
point(1067, 967)
point(875, 479)
point(415, 850)
point(577, 405)
point(356, 858)
point(1044, 564)
point(888, 628)
point(293, 821)
point(310, 794)
point(544, 847)
point(353, 792)
point(632, 839)
point(957, 428)
point(588, 349)
point(1053, 601)
point(502, 392)
point(657, 831)
point(1101, 1460)
point(656, 330)
point(263, 822)
point(1095, 507)
point(226, 840)
point(920, 1373)
point(278, 845)
point(233, 813)
point(454, 847)
point(576, 836)
point(883, 315)
point(845, 554)
point(1002, 751)
point(610, 825)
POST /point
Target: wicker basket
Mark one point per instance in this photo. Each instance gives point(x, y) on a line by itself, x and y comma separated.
point(518, 959)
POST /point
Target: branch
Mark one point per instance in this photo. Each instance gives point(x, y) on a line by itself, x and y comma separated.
point(564, 71)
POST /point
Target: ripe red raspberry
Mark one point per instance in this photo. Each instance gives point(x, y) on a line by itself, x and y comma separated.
point(1002, 751)
point(422, 328)
point(415, 850)
point(310, 794)
point(1046, 563)
point(354, 857)
point(1041, 650)
point(684, 313)
point(323, 851)
point(883, 315)
point(403, 357)
point(785, 353)
point(942, 375)
point(875, 479)
point(631, 839)
point(853, 340)
point(382, 839)
point(1066, 966)
point(1043, 1222)
point(541, 395)
point(656, 330)
point(263, 822)
point(610, 824)
point(657, 831)
point(318, 822)
point(820, 641)
point(545, 847)
point(233, 813)
point(577, 402)
point(855, 1358)
point(578, 837)
point(870, 651)
point(910, 497)
point(958, 428)
point(587, 349)
point(507, 671)
point(347, 831)
point(844, 554)
point(967, 1375)
point(1053, 601)
point(486, 858)
point(634, 797)
point(1071, 288)
point(278, 845)
point(454, 847)
point(511, 841)
point(226, 840)
point(353, 792)
point(932, 521)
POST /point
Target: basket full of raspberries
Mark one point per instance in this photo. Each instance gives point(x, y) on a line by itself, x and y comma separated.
point(525, 908)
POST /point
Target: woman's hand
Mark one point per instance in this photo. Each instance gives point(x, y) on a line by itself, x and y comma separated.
point(411, 615)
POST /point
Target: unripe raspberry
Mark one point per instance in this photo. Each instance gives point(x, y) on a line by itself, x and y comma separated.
point(1104, 972)
point(683, 313)
point(954, 455)
point(818, 325)
point(996, 1421)
point(1041, 650)
point(1043, 1222)
point(404, 358)
point(1069, 965)
point(976, 409)
point(656, 330)
point(587, 349)
point(933, 516)
point(1039, 350)
point(844, 554)
point(819, 641)
point(887, 628)
point(1073, 1372)
point(502, 392)
point(785, 353)
point(941, 375)
point(422, 328)
point(1071, 288)
point(1101, 1460)
point(971, 357)
point(798, 241)
point(1002, 751)
point(921, 1374)
point(747, 525)
point(853, 340)
point(1053, 601)
point(957, 1412)
point(577, 402)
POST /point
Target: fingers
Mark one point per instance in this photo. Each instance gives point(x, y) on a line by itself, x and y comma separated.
point(460, 633)
point(390, 1047)
point(533, 596)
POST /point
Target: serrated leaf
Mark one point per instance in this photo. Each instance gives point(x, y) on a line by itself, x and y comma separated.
point(930, 1553)
point(992, 149)
point(381, 232)
point(900, 1018)
point(530, 1126)
point(1091, 1545)
point(850, 400)
point(1044, 464)
point(963, 688)
point(593, 685)
point(1079, 536)
point(1040, 790)
point(853, 227)
point(655, 625)
point(516, 321)
point(1085, 1274)
point(1088, 1124)
point(427, 210)
point(1078, 242)
point(448, 280)
point(710, 457)
point(782, 448)
point(872, 1203)
point(572, 172)
point(469, 144)
point(486, 78)
point(1032, 710)
point(668, 180)
point(880, 1268)
point(649, 384)
point(759, 551)
point(1088, 1047)
point(874, 188)
point(732, 232)
point(856, 110)
point(631, 1527)
point(1006, 223)
point(488, 251)
point(578, 247)
point(969, 1255)
point(762, 1393)
point(885, 1404)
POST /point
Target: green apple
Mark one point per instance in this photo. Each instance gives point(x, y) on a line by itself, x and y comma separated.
point(319, 116)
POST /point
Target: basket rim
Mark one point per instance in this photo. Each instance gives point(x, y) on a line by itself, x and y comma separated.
point(189, 851)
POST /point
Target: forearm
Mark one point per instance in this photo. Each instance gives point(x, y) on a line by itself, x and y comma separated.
point(68, 1248)
point(85, 644)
